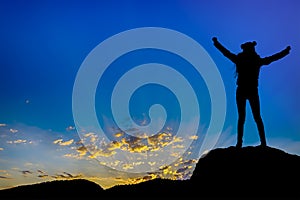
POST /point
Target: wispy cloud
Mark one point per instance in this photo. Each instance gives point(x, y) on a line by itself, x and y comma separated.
point(66, 175)
point(4, 174)
point(4, 177)
point(25, 172)
point(43, 176)
point(19, 141)
point(41, 171)
point(70, 128)
point(13, 130)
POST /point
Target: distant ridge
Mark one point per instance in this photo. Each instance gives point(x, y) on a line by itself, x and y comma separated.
point(223, 172)
point(53, 190)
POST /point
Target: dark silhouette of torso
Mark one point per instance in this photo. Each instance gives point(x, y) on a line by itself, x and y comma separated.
point(248, 64)
point(247, 69)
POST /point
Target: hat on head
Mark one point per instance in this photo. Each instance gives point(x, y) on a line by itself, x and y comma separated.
point(248, 45)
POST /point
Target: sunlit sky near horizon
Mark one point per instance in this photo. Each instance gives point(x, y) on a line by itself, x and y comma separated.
point(43, 44)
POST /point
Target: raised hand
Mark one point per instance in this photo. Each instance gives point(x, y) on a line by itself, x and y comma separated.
point(214, 39)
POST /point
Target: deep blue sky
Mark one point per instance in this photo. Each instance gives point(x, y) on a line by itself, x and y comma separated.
point(43, 44)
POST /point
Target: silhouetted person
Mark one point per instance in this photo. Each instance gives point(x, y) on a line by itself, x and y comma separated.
point(248, 64)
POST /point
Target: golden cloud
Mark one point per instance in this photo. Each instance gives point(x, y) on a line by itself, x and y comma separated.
point(193, 137)
point(82, 150)
point(101, 153)
point(93, 137)
point(67, 143)
point(129, 144)
point(61, 143)
point(127, 166)
point(154, 144)
point(57, 141)
point(119, 134)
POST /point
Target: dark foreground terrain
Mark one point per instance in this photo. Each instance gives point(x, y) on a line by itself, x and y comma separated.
point(228, 172)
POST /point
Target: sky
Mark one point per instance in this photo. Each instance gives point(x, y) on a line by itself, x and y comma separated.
point(45, 44)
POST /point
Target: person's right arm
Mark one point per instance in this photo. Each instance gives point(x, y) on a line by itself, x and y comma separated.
point(223, 50)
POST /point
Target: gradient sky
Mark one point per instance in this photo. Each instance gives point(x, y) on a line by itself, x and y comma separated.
point(43, 44)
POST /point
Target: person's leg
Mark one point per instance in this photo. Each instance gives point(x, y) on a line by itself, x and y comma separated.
point(255, 107)
point(241, 107)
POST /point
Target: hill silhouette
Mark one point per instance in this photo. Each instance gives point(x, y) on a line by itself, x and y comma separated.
point(53, 190)
point(251, 171)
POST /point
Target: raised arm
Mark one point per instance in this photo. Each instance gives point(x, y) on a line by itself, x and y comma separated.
point(277, 56)
point(223, 50)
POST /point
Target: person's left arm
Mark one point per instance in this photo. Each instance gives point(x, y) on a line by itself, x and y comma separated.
point(274, 57)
